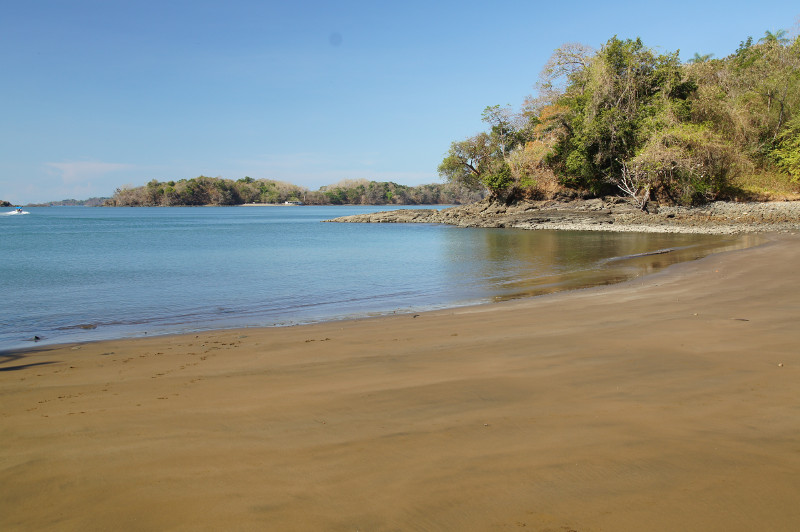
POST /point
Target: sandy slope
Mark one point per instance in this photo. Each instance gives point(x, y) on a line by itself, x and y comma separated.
point(669, 403)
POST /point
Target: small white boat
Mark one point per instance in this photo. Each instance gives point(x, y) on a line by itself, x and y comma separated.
point(17, 210)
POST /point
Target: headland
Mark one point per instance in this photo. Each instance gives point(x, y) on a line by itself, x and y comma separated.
point(604, 214)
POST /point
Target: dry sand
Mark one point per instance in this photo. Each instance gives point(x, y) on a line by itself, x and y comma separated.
point(667, 403)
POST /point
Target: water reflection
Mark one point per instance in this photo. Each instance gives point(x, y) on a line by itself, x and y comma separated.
point(518, 263)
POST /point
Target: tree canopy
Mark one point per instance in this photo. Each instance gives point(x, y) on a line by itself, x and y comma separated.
point(628, 118)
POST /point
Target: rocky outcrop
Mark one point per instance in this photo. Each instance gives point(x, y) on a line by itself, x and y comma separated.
point(606, 214)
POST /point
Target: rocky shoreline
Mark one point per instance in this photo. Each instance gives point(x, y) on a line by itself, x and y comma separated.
point(606, 214)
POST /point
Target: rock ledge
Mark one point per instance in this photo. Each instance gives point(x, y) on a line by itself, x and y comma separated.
point(607, 214)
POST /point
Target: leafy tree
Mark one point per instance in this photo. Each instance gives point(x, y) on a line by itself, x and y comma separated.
point(468, 161)
point(503, 132)
point(565, 68)
point(498, 179)
point(625, 92)
point(749, 97)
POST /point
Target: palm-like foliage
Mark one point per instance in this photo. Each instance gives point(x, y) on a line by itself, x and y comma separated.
point(701, 58)
point(778, 37)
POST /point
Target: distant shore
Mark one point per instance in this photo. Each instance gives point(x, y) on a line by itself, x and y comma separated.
point(269, 205)
point(609, 214)
point(669, 400)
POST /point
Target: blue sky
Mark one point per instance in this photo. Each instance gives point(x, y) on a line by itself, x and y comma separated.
point(97, 94)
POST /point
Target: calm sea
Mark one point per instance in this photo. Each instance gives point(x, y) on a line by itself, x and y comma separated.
point(72, 274)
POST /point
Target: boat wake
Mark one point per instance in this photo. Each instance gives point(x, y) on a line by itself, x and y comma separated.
point(14, 212)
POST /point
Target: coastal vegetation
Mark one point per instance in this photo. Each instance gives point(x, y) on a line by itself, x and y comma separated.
point(627, 119)
point(218, 191)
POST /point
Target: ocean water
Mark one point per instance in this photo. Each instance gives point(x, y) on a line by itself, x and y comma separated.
point(73, 274)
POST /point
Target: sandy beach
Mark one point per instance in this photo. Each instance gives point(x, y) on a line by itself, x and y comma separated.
point(666, 403)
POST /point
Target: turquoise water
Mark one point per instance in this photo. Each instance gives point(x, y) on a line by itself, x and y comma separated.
point(74, 274)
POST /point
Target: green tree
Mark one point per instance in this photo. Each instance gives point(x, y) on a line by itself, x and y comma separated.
point(503, 133)
point(499, 179)
point(468, 161)
point(623, 94)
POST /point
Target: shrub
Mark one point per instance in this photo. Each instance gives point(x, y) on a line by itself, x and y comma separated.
point(684, 164)
point(787, 152)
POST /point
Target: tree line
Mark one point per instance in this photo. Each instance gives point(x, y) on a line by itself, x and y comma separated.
point(91, 202)
point(204, 190)
point(625, 118)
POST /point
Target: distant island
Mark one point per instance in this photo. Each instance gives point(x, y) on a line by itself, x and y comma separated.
point(204, 190)
point(91, 202)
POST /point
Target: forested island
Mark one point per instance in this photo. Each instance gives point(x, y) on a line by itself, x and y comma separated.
point(219, 191)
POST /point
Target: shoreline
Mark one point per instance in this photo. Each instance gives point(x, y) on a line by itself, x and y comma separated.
point(668, 400)
point(625, 267)
point(610, 214)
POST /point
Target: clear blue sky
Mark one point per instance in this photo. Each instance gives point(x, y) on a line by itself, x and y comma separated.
point(97, 94)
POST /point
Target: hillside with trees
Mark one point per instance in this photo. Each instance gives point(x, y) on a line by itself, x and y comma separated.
point(91, 202)
point(218, 191)
point(627, 119)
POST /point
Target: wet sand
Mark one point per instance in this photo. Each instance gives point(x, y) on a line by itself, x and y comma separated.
point(666, 403)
